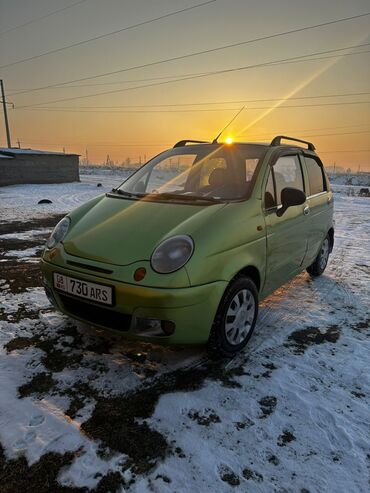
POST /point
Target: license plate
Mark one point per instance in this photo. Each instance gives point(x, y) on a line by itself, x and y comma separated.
point(84, 289)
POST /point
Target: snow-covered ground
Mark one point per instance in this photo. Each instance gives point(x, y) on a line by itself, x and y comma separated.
point(20, 202)
point(289, 414)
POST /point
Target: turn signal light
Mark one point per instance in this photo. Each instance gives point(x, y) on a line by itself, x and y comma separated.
point(139, 274)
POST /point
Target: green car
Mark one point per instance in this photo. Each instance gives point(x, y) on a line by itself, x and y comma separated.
point(183, 251)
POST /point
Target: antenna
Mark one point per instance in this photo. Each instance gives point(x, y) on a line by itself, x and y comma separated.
point(228, 125)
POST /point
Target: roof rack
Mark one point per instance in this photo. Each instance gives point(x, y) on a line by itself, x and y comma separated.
point(277, 141)
point(183, 143)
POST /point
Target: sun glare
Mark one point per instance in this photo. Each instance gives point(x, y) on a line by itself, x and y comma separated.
point(229, 140)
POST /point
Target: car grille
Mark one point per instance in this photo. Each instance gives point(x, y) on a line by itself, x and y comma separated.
point(95, 314)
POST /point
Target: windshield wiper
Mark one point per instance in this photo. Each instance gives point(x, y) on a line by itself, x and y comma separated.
point(126, 194)
point(192, 198)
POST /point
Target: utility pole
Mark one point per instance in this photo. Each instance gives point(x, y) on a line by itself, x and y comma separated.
point(5, 114)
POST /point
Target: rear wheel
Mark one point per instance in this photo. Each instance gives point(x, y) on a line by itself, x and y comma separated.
point(235, 319)
point(320, 263)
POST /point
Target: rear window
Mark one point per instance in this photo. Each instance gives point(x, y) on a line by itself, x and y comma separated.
point(315, 176)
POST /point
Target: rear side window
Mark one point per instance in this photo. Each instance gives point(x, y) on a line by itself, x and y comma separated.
point(315, 176)
point(287, 173)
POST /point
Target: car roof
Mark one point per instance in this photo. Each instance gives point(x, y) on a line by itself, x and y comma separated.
point(276, 143)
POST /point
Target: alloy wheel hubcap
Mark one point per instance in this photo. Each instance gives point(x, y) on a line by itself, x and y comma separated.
point(324, 254)
point(239, 317)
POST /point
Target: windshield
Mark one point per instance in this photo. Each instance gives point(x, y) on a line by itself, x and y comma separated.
point(208, 173)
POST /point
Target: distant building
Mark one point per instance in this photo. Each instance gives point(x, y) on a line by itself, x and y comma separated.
point(19, 166)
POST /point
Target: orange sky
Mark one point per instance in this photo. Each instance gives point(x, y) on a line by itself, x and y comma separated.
point(140, 123)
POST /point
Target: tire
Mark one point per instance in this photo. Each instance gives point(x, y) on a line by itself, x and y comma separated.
point(235, 318)
point(321, 261)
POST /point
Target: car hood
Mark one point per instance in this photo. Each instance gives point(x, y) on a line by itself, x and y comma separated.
point(120, 231)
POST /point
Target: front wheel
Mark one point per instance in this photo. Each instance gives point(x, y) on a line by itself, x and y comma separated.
point(235, 318)
point(320, 263)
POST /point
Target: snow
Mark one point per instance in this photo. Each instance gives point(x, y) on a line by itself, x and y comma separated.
point(298, 419)
point(25, 254)
point(20, 202)
point(358, 179)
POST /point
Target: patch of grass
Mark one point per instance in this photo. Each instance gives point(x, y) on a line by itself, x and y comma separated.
point(301, 339)
point(78, 395)
point(16, 476)
point(40, 384)
point(285, 437)
point(20, 226)
point(254, 475)
point(110, 483)
point(204, 418)
point(21, 275)
point(22, 313)
point(19, 343)
point(54, 360)
point(230, 478)
point(116, 422)
point(17, 244)
point(267, 405)
point(363, 324)
point(273, 460)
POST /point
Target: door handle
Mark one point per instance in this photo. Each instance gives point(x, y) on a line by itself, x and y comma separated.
point(306, 210)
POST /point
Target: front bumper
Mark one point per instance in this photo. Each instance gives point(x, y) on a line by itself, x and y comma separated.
point(191, 309)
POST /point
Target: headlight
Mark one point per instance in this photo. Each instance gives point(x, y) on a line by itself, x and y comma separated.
point(59, 232)
point(172, 254)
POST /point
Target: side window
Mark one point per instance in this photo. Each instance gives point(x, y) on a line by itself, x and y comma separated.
point(270, 201)
point(287, 173)
point(315, 176)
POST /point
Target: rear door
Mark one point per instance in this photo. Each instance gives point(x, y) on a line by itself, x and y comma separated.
point(287, 236)
point(320, 203)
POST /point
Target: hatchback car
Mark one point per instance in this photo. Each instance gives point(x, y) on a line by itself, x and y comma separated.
point(187, 246)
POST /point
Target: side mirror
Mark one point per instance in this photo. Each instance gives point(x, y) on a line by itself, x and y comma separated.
point(290, 197)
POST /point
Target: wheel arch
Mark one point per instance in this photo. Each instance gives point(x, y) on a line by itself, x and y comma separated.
point(331, 237)
point(253, 273)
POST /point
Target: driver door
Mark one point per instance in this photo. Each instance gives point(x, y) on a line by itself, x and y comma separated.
point(286, 236)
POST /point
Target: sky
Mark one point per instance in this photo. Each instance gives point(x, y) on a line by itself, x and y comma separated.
point(329, 98)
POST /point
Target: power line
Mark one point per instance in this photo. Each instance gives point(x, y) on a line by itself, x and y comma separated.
point(105, 35)
point(161, 144)
point(214, 102)
point(31, 21)
point(211, 50)
point(328, 135)
point(201, 110)
point(341, 133)
point(296, 131)
point(127, 81)
point(217, 72)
